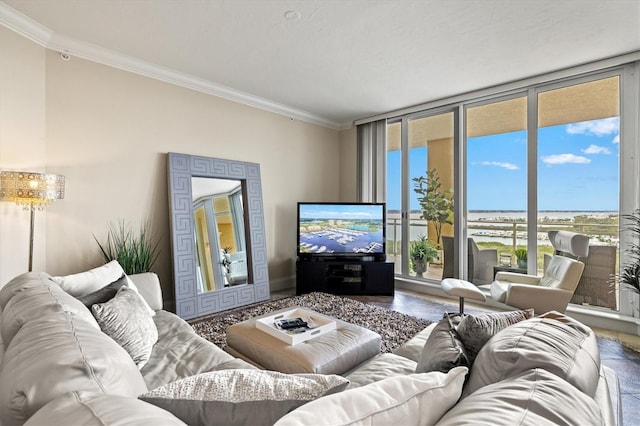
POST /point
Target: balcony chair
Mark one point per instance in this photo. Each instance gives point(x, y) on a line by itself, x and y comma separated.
point(553, 290)
point(480, 261)
point(599, 267)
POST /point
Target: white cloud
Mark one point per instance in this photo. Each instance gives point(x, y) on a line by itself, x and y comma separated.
point(565, 159)
point(616, 139)
point(602, 127)
point(595, 149)
point(508, 166)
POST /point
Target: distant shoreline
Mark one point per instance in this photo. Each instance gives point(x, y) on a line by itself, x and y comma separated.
point(522, 211)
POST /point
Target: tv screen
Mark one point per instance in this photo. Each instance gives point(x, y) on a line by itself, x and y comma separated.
point(341, 229)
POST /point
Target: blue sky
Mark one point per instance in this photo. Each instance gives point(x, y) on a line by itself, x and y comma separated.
point(578, 169)
point(340, 211)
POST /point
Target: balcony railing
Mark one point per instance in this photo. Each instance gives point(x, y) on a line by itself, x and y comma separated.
point(509, 233)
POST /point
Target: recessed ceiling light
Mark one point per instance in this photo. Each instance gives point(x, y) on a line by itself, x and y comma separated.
point(292, 15)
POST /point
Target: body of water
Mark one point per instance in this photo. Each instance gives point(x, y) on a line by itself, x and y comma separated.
point(475, 218)
point(341, 240)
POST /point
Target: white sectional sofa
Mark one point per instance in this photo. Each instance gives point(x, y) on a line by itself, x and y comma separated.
point(57, 367)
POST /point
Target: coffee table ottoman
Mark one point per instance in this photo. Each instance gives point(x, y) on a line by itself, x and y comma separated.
point(335, 352)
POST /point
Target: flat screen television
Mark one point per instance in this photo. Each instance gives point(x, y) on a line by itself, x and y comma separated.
point(341, 231)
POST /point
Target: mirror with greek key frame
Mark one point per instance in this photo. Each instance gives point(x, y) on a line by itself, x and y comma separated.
point(217, 230)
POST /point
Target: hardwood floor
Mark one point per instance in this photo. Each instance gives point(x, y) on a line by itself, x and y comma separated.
point(624, 360)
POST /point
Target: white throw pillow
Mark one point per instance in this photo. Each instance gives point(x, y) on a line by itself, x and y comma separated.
point(415, 399)
point(242, 396)
point(125, 319)
point(87, 282)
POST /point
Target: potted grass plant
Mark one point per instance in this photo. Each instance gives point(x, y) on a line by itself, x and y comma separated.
point(421, 253)
point(135, 252)
point(521, 257)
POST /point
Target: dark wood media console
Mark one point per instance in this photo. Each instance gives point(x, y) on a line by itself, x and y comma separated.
point(344, 277)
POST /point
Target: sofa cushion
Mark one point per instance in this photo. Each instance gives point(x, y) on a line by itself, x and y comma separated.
point(103, 294)
point(415, 399)
point(475, 331)
point(181, 353)
point(56, 354)
point(239, 397)
point(443, 350)
point(381, 367)
point(534, 397)
point(87, 282)
point(553, 341)
point(126, 320)
point(92, 409)
point(34, 295)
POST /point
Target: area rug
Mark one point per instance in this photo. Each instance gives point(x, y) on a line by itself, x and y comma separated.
point(395, 328)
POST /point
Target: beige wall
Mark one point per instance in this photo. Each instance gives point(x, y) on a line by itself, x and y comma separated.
point(22, 146)
point(108, 131)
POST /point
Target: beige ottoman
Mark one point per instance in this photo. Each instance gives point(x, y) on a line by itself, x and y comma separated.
point(334, 352)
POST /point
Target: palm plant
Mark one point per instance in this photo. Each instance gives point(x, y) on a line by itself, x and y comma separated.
point(135, 253)
point(630, 272)
point(436, 203)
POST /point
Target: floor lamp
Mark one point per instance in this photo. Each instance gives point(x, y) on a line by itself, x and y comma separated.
point(33, 191)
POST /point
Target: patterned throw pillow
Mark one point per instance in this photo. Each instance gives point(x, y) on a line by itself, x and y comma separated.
point(126, 320)
point(443, 349)
point(475, 331)
point(243, 396)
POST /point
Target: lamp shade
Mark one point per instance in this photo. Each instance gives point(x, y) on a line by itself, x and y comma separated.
point(31, 190)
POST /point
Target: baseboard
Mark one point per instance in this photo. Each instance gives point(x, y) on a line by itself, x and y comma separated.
point(281, 284)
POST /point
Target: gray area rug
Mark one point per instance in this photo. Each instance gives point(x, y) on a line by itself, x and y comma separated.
point(395, 328)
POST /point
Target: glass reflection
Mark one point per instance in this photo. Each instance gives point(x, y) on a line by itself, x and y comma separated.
point(219, 233)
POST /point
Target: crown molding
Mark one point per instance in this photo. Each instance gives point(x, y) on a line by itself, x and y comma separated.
point(43, 36)
point(24, 25)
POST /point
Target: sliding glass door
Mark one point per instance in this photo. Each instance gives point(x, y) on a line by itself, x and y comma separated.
point(496, 177)
point(542, 158)
point(578, 178)
point(420, 193)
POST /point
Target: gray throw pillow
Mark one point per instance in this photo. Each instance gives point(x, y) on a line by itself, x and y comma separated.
point(104, 294)
point(475, 331)
point(126, 320)
point(240, 397)
point(443, 349)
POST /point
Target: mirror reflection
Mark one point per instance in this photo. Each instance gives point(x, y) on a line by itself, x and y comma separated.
point(221, 259)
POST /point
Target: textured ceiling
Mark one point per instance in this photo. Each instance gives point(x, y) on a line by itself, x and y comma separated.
point(341, 60)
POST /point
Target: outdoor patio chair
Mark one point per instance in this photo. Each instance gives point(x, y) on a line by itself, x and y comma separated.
point(480, 261)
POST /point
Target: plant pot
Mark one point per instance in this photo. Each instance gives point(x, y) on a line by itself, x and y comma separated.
point(522, 263)
point(419, 267)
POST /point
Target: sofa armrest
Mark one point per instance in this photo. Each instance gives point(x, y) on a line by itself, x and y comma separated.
point(148, 285)
point(608, 397)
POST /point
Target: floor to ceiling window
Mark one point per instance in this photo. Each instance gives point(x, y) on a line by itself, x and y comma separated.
point(539, 158)
point(496, 187)
point(420, 193)
point(578, 178)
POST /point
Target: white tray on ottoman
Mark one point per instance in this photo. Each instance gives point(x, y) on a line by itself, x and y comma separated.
point(335, 351)
point(319, 325)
